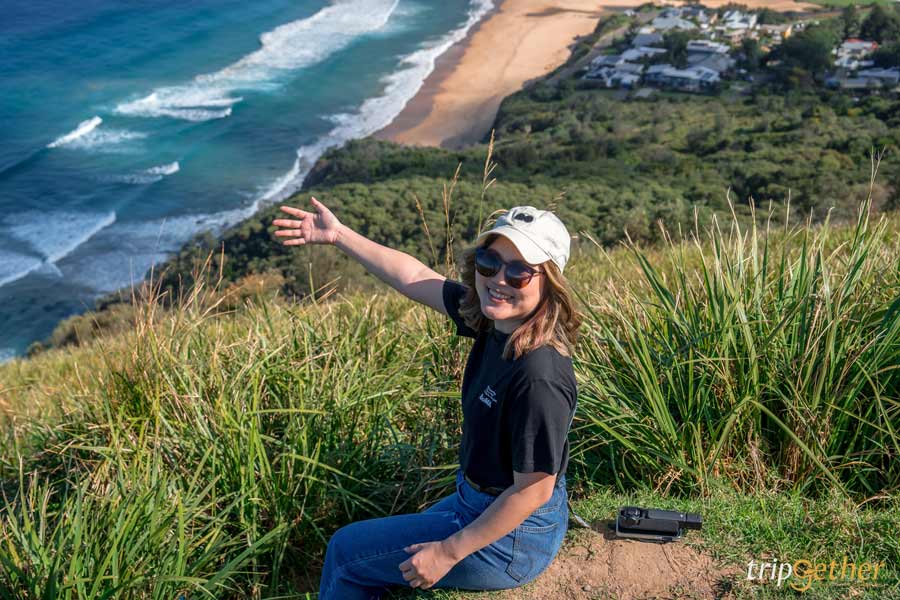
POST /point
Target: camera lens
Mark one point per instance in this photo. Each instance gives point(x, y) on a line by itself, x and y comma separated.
point(631, 516)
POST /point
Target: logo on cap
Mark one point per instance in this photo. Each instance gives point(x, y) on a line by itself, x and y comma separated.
point(524, 217)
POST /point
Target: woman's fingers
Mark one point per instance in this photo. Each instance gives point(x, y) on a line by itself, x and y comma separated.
point(287, 223)
point(295, 211)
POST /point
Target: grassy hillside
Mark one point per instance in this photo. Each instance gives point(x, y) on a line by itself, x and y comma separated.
point(214, 447)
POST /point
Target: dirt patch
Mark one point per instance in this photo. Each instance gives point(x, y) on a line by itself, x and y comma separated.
point(594, 564)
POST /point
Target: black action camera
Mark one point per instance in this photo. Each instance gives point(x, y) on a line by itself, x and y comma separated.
point(653, 524)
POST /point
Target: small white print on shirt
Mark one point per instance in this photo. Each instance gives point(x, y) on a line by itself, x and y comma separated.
point(488, 396)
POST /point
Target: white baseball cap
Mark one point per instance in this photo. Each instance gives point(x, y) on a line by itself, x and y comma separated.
point(538, 235)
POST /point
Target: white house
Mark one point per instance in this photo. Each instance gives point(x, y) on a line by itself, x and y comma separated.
point(706, 47)
point(606, 60)
point(851, 54)
point(737, 20)
point(691, 79)
point(670, 23)
point(623, 75)
point(633, 54)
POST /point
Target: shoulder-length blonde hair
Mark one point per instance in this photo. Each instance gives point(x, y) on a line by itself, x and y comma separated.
point(555, 320)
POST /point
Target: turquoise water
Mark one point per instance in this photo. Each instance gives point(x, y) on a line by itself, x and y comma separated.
point(127, 128)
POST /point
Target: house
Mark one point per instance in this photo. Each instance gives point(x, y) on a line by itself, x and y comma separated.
point(633, 54)
point(856, 48)
point(868, 79)
point(710, 55)
point(852, 64)
point(736, 26)
point(720, 63)
point(646, 39)
point(623, 75)
point(887, 77)
point(851, 54)
point(653, 74)
point(672, 23)
point(692, 79)
point(606, 60)
point(633, 68)
point(736, 20)
point(706, 47)
point(853, 83)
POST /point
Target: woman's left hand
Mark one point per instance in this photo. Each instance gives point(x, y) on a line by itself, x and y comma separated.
point(428, 564)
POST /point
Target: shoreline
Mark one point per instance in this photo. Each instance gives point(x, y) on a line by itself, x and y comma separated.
point(421, 104)
point(457, 103)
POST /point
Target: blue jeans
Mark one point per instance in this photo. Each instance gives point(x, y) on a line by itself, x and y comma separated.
point(363, 558)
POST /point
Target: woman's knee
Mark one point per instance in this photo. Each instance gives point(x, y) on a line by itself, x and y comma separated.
point(342, 540)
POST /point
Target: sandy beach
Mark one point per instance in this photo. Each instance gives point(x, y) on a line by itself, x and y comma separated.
point(519, 41)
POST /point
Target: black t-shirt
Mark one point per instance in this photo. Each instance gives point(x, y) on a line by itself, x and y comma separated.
point(516, 413)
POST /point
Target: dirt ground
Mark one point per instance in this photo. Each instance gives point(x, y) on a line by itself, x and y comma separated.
point(593, 564)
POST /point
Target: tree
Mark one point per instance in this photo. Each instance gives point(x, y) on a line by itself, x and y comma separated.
point(750, 55)
point(882, 25)
point(809, 50)
point(676, 45)
point(850, 19)
point(888, 55)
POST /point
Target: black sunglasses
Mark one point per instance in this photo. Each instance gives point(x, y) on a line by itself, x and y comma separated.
point(489, 263)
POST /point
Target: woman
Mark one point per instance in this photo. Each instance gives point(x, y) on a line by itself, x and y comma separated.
point(507, 519)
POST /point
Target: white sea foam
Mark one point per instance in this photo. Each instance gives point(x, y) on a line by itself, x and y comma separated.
point(286, 48)
point(169, 169)
point(151, 175)
point(83, 128)
point(179, 102)
point(90, 136)
point(56, 235)
point(14, 266)
point(377, 112)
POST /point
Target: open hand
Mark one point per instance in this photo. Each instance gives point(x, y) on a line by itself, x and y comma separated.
point(320, 227)
point(427, 565)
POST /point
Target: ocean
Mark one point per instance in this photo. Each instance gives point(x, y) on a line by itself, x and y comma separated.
point(127, 127)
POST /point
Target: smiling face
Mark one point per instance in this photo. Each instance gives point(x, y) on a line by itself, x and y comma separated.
point(511, 311)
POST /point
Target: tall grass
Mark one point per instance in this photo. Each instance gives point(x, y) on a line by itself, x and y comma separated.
point(215, 451)
point(212, 450)
point(761, 360)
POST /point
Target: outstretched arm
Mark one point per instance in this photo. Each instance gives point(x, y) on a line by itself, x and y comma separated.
point(403, 272)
